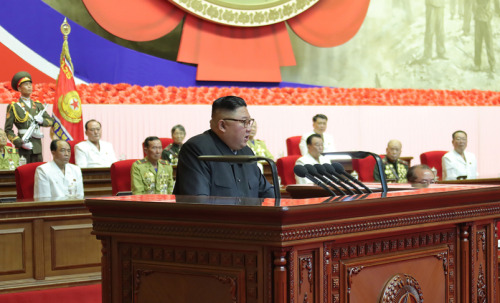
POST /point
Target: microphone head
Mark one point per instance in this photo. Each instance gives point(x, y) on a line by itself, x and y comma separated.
point(311, 169)
point(338, 167)
point(329, 168)
point(320, 168)
point(300, 171)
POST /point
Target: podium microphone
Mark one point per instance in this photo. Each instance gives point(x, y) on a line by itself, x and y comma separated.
point(301, 171)
point(313, 171)
point(340, 169)
point(330, 169)
point(322, 171)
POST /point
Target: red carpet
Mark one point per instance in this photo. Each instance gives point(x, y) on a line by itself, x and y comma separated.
point(76, 294)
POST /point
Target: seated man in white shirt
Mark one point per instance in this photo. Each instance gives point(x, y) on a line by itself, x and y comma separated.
point(320, 122)
point(313, 155)
point(458, 162)
point(58, 178)
point(94, 152)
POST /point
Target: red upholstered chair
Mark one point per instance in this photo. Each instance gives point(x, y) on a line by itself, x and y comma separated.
point(164, 143)
point(365, 167)
point(292, 145)
point(72, 145)
point(285, 167)
point(433, 159)
point(120, 176)
point(25, 180)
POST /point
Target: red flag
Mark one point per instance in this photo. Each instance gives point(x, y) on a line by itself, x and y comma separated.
point(67, 110)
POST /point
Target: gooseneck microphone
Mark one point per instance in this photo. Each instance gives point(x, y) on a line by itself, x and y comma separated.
point(313, 171)
point(340, 169)
point(330, 169)
point(301, 171)
point(322, 171)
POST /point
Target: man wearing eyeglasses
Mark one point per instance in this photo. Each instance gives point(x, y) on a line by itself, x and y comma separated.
point(420, 176)
point(58, 178)
point(228, 135)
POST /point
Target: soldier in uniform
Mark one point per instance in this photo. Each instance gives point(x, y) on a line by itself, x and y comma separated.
point(171, 152)
point(395, 169)
point(152, 175)
point(258, 147)
point(7, 153)
point(22, 114)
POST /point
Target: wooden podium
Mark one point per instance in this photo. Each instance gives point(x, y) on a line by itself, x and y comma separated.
point(436, 244)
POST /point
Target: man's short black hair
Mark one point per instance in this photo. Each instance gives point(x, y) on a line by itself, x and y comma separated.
point(229, 103)
point(310, 138)
point(149, 139)
point(411, 176)
point(53, 144)
point(456, 132)
point(91, 120)
point(178, 127)
point(320, 116)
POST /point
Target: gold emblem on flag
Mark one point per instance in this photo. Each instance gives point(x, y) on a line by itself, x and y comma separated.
point(70, 107)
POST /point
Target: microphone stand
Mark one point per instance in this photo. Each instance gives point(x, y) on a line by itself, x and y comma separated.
point(362, 155)
point(250, 159)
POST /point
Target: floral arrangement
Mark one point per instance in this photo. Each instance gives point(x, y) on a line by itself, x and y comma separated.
point(133, 94)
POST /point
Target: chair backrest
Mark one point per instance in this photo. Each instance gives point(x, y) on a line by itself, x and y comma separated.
point(120, 176)
point(292, 145)
point(433, 159)
point(364, 168)
point(285, 167)
point(164, 143)
point(25, 180)
point(72, 145)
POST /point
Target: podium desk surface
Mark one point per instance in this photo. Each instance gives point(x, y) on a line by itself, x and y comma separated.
point(324, 208)
point(342, 249)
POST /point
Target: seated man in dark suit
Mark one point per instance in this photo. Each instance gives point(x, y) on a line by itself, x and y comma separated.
point(228, 136)
point(394, 168)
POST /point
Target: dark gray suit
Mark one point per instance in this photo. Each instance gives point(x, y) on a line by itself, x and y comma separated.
point(195, 177)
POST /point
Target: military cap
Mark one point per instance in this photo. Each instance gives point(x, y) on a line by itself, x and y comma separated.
point(20, 78)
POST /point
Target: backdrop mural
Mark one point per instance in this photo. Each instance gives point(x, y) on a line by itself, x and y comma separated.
point(400, 44)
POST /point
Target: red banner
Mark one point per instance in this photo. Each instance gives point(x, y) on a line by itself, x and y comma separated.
point(67, 110)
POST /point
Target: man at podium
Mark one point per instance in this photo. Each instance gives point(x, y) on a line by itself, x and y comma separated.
point(228, 136)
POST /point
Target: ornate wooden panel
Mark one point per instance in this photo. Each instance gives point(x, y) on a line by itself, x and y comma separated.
point(363, 268)
point(435, 245)
point(150, 272)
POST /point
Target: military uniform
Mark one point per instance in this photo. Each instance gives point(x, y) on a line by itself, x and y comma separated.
point(145, 180)
point(259, 148)
point(171, 153)
point(6, 155)
point(394, 172)
point(21, 115)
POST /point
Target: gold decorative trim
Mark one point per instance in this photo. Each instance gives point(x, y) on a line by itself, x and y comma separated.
point(402, 288)
point(245, 15)
point(69, 110)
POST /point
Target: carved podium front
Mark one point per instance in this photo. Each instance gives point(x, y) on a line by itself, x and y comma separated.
point(429, 245)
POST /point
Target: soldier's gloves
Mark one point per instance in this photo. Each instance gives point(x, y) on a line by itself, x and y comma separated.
point(28, 146)
point(39, 119)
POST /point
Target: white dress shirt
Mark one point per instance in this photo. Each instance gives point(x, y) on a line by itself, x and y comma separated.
point(328, 143)
point(50, 182)
point(454, 165)
point(87, 154)
point(308, 159)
